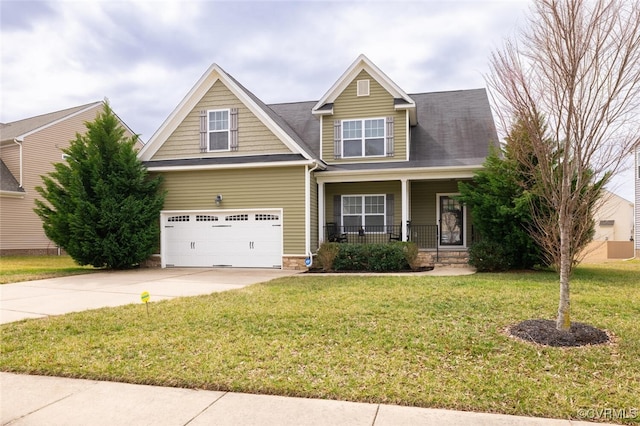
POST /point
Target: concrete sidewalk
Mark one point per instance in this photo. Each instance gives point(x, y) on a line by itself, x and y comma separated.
point(39, 400)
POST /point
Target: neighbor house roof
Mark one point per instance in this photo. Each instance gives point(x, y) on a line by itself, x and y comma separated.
point(21, 128)
point(25, 127)
point(8, 182)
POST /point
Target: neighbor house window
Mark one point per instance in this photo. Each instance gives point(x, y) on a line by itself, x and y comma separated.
point(363, 212)
point(363, 138)
point(218, 130)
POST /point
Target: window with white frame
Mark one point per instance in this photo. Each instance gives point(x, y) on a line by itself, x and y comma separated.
point(218, 130)
point(363, 138)
point(363, 212)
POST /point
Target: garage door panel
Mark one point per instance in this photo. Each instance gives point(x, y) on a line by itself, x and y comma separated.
point(237, 239)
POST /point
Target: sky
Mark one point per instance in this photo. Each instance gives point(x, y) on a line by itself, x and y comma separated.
point(145, 55)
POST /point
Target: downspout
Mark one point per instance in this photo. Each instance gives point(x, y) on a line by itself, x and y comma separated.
point(19, 142)
point(309, 260)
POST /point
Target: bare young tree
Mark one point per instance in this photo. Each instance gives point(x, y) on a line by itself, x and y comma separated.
point(577, 65)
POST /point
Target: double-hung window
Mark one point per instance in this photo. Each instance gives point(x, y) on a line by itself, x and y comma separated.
point(363, 212)
point(363, 138)
point(218, 130)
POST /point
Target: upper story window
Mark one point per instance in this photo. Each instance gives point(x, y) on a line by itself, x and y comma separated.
point(363, 138)
point(218, 130)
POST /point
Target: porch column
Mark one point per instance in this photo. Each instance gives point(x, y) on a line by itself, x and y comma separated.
point(321, 219)
point(405, 208)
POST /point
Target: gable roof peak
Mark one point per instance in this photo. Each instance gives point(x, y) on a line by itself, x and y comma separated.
point(213, 74)
point(361, 63)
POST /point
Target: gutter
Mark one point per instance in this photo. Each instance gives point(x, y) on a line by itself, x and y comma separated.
point(19, 141)
point(152, 168)
point(309, 259)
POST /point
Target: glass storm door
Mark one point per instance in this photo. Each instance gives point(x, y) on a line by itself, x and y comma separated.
point(451, 221)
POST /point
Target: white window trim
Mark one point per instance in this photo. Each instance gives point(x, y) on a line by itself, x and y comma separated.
point(363, 139)
point(364, 214)
point(363, 87)
point(464, 221)
point(228, 131)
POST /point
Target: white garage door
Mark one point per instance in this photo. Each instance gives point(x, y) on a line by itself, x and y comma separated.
point(245, 239)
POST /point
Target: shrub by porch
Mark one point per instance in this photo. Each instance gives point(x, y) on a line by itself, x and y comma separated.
point(376, 257)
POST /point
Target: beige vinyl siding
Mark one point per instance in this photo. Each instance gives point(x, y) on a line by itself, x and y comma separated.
point(275, 187)
point(20, 227)
point(364, 188)
point(379, 104)
point(254, 138)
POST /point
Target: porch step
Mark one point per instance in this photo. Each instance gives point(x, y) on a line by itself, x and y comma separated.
point(459, 259)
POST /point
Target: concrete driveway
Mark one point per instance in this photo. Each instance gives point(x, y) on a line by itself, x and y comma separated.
point(56, 296)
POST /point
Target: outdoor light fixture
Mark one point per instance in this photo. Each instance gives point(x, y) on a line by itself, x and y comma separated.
point(218, 199)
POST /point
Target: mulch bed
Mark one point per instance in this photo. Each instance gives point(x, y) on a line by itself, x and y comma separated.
point(544, 332)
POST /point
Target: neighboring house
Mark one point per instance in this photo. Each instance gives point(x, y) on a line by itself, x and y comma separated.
point(613, 219)
point(255, 185)
point(614, 228)
point(28, 150)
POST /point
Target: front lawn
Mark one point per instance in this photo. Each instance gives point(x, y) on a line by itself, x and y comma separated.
point(423, 341)
point(14, 269)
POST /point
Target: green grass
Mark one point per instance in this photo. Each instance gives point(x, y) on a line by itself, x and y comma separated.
point(421, 341)
point(14, 269)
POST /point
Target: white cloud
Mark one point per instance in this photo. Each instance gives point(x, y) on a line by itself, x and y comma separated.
point(146, 55)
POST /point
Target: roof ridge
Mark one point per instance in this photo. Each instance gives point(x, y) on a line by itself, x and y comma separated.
point(78, 107)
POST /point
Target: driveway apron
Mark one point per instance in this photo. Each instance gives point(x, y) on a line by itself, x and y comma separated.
point(56, 296)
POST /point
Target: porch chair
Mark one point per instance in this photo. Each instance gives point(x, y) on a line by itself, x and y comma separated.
point(334, 235)
point(394, 237)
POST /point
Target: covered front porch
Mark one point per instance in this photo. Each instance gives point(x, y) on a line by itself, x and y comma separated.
point(422, 210)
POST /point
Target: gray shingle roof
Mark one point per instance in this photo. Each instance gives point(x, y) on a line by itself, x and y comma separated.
point(283, 124)
point(8, 131)
point(8, 182)
point(454, 128)
point(298, 116)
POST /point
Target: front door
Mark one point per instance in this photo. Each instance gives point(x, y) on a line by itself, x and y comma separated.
point(451, 219)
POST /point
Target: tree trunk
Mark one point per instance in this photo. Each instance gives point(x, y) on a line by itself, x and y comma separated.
point(563, 322)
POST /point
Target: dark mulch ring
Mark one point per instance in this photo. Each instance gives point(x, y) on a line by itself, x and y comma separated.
point(544, 332)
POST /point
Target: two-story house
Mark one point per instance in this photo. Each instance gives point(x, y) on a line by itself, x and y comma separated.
point(28, 149)
point(255, 185)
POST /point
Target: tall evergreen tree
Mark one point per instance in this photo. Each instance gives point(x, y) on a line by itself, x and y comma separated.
point(101, 206)
point(500, 198)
